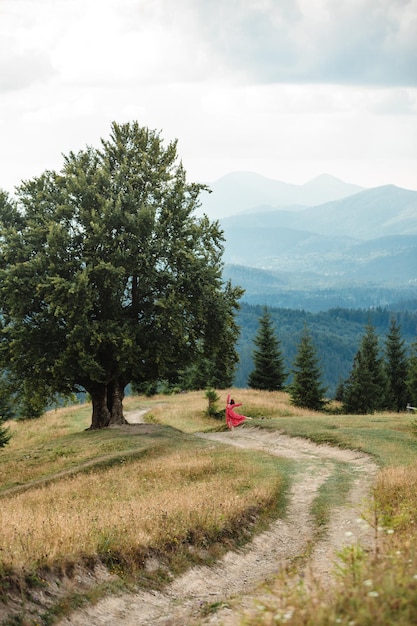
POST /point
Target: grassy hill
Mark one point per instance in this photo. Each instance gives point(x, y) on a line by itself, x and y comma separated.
point(83, 512)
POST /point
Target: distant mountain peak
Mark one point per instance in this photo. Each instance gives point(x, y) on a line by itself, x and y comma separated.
point(239, 192)
point(325, 178)
point(332, 184)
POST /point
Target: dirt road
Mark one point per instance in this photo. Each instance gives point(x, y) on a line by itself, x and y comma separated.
point(233, 584)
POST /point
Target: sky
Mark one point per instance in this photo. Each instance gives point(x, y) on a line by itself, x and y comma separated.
point(289, 89)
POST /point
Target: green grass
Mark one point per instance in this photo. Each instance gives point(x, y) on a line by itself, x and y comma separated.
point(389, 438)
point(45, 455)
point(332, 493)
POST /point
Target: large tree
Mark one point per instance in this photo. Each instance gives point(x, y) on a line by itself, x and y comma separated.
point(365, 390)
point(107, 277)
point(306, 389)
point(396, 367)
point(269, 372)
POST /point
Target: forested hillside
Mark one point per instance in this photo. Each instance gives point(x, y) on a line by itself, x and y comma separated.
point(336, 334)
point(307, 292)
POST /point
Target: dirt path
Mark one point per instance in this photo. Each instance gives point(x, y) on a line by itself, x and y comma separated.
point(235, 580)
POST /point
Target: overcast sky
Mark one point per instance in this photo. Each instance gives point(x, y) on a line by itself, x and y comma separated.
point(289, 89)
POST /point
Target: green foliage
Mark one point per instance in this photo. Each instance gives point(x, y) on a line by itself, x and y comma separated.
point(212, 409)
point(32, 407)
point(337, 335)
point(6, 410)
point(296, 291)
point(396, 367)
point(4, 435)
point(269, 373)
point(108, 278)
point(306, 389)
point(365, 391)
point(412, 376)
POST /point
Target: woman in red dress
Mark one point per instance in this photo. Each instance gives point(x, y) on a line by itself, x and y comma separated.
point(232, 418)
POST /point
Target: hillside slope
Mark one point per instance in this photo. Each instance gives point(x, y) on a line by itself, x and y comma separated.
point(234, 580)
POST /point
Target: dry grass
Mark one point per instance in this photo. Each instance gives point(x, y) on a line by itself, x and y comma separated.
point(193, 406)
point(140, 505)
point(187, 412)
point(58, 442)
point(396, 494)
point(269, 404)
point(185, 489)
point(181, 487)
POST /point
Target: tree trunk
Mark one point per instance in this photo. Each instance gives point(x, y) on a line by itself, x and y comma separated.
point(101, 414)
point(115, 395)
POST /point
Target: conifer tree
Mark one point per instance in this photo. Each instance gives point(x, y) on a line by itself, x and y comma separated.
point(306, 389)
point(5, 414)
point(4, 435)
point(6, 411)
point(269, 372)
point(412, 376)
point(365, 388)
point(396, 368)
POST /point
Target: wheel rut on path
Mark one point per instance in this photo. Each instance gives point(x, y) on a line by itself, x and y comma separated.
point(234, 583)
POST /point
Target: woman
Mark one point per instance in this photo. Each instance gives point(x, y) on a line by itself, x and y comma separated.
point(234, 419)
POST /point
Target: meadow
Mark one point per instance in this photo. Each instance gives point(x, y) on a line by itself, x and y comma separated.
point(124, 496)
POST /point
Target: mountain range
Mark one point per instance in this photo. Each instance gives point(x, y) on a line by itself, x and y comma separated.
point(238, 192)
point(323, 242)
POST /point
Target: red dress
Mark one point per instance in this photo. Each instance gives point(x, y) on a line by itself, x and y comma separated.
point(233, 419)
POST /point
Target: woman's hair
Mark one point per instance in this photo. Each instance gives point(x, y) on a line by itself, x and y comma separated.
point(232, 401)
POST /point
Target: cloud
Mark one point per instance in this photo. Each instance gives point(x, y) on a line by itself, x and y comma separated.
point(21, 70)
point(322, 41)
point(143, 42)
point(282, 87)
point(392, 102)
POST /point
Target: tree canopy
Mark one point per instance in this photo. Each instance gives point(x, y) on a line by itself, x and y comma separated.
point(269, 372)
point(412, 376)
point(365, 391)
point(107, 277)
point(306, 389)
point(396, 367)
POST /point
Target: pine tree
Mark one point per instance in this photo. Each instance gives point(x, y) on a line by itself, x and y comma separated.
point(6, 411)
point(269, 372)
point(4, 434)
point(306, 389)
point(396, 366)
point(365, 389)
point(412, 376)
